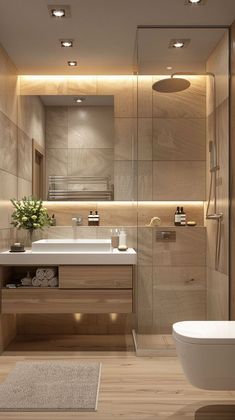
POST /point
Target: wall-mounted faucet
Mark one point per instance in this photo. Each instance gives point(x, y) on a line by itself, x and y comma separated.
point(76, 221)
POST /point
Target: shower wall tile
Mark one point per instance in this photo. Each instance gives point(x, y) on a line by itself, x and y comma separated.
point(218, 63)
point(145, 180)
point(179, 293)
point(145, 139)
point(189, 249)
point(56, 127)
point(8, 145)
point(31, 118)
point(190, 103)
point(145, 299)
point(90, 127)
point(217, 295)
point(145, 246)
point(179, 180)
point(24, 156)
point(124, 90)
point(179, 139)
point(125, 181)
point(125, 139)
point(145, 99)
point(90, 162)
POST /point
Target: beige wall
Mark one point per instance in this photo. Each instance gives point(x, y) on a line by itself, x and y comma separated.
point(218, 280)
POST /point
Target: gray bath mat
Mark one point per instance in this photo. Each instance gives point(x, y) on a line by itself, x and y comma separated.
point(51, 386)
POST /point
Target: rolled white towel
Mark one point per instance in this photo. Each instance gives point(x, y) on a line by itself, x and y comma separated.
point(50, 273)
point(40, 273)
point(53, 282)
point(44, 283)
point(36, 282)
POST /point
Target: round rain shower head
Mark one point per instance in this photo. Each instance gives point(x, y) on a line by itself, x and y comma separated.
point(171, 85)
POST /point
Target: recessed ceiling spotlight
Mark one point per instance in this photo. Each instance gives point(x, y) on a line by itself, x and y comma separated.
point(59, 10)
point(169, 68)
point(66, 43)
point(79, 99)
point(179, 43)
point(195, 2)
point(72, 63)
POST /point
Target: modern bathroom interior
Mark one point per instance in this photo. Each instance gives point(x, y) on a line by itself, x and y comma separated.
point(133, 173)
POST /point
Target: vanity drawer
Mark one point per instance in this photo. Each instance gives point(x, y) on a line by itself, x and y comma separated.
point(95, 277)
point(48, 301)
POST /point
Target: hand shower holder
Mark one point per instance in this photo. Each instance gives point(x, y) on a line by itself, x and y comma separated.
point(215, 216)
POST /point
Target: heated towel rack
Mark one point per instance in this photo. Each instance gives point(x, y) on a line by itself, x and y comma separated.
point(80, 188)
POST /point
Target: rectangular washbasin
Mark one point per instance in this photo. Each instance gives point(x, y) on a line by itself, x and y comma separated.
point(72, 245)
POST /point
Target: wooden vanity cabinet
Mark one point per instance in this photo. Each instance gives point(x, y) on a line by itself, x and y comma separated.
point(82, 288)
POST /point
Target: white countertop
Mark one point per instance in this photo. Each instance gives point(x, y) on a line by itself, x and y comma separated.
point(28, 257)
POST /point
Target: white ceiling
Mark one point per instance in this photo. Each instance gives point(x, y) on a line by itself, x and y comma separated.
point(104, 31)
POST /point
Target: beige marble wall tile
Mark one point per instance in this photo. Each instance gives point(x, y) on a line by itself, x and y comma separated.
point(145, 180)
point(57, 161)
point(178, 180)
point(145, 299)
point(56, 127)
point(24, 156)
point(24, 188)
point(8, 190)
point(5, 239)
point(125, 181)
point(179, 139)
point(31, 117)
point(217, 295)
point(145, 96)
point(190, 103)
point(218, 63)
point(125, 139)
point(8, 86)
point(90, 162)
point(145, 246)
point(81, 85)
point(166, 212)
point(189, 249)
point(117, 214)
point(145, 139)
point(8, 145)
point(90, 127)
point(179, 294)
point(124, 90)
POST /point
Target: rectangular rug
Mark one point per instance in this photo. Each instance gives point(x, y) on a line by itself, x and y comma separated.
point(51, 386)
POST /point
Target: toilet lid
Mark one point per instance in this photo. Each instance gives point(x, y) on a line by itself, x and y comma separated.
point(205, 332)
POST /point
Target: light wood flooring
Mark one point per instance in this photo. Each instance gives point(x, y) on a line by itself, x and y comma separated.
point(140, 388)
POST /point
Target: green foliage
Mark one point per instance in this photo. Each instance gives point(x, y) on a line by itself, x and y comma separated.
point(30, 214)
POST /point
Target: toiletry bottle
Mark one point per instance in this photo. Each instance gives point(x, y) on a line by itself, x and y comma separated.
point(122, 241)
point(91, 219)
point(97, 218)
point(177, 217)
point(115, 238)
point(182, 217)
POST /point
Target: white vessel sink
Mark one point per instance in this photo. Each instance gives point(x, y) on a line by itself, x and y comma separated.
point(72, 245)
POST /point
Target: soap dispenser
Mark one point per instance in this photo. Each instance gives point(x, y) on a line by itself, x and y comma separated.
point(122, 241)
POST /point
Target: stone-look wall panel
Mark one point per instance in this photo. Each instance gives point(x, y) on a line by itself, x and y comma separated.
point(218, 280)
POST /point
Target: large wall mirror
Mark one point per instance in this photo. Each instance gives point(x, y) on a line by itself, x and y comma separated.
point(88, 153)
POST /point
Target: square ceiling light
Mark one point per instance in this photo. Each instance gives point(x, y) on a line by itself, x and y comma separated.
point(179, 43)
point(59, 11)
point(195, 2)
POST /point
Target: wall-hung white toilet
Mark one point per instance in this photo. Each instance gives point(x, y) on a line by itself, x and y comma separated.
point(206, 350)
